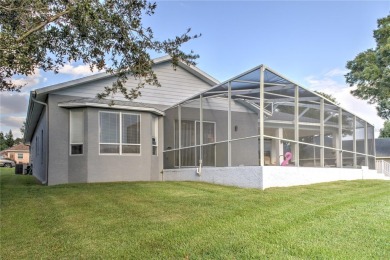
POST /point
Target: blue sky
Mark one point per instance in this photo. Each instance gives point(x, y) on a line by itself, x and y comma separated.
point(309, 42)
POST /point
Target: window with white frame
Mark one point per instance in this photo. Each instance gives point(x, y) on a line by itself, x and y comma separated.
point(20, 156)
point(154, 135)
point(119, 133)
point(76, 132)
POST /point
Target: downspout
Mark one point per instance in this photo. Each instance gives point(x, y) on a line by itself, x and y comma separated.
point(47, 131)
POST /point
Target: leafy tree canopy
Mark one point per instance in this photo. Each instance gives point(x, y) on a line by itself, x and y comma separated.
point(370, 71)
point(385, 131)
point(3, 145)
point(106, 34)
point(9, 139)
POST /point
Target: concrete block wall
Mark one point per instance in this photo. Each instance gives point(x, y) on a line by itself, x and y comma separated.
point(268, 176)
point(245, 177)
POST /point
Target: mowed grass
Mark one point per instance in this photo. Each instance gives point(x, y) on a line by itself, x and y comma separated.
point(176, 220)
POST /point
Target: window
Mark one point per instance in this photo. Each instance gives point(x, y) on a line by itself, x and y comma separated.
point(20, 156)
point(119, 133)
point(154, 135)
point(76, 132)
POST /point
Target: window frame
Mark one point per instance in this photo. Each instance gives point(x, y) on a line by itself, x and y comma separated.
point(20, 154)
point(70, 134)
point(120, 134)
point(154, 127)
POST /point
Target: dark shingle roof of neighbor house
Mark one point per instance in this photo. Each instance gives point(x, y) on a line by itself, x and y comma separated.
point(18, 147)
point(382, 147)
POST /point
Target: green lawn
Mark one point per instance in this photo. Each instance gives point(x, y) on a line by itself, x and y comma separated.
point(176, 220)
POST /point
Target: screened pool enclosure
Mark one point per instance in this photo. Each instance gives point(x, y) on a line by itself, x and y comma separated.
point(256, 118)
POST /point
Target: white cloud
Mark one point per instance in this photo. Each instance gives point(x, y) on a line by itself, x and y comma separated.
point(29, 81)
point(13, 123)
point(77, 70)
point(336, 72)
point(332, 82)
point(13, 102)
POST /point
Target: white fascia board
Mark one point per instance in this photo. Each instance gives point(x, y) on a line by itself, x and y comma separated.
point(146, 109)
point(192, 69)
point(199, 73)
point(72, 83)
point(94, 77)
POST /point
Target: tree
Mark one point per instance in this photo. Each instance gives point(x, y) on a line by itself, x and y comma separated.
point(370, 71)
point(105, 34)
point(3, 145)
point(18, 140)
point(23, 128)
point(9, 139)
point(385, 131)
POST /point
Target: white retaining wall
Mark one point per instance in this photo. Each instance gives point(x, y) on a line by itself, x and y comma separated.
point(268, 176)
point(279, 176)
point(245, 177)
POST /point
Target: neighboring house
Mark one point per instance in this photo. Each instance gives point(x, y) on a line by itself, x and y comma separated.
point(382, 147)
point(19, 153)
point(75, 137)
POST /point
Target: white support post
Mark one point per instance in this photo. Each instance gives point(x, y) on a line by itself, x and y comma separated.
point(200, 129)
point(354, 143)
point(179, 122)
point(296, 126)
point(340, 140)
point(322, 133)
point(366, 144)
point(261, 116)
point(229, 125)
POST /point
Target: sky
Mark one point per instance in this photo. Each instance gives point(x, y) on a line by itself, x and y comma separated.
point(309, 42)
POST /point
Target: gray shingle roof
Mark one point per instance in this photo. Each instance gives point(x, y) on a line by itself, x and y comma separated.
point(114, 103)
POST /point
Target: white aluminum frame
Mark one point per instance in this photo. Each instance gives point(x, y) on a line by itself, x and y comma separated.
point(120, 134)
point(70, 132)
point(322, 104)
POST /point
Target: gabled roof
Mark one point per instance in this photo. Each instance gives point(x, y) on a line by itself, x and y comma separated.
point(382, 147)
point(17, 148)
point(35, 109)
point(192, 69)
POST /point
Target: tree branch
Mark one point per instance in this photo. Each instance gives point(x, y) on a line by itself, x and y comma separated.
point(41, 25)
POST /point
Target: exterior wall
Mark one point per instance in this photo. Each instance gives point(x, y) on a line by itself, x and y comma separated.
point(14, 156)
point(384, 159)
point(58, 140)
point(38, 148)
point(245, 177)
point(176, 85)
point(279, 176)
point(269, 176)
point(134, 167)
point(91, 166)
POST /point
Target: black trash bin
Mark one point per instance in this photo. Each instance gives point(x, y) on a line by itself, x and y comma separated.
point(19, 168)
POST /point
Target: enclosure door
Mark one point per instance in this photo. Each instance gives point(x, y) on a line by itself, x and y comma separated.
point(190, 135)
point(208, 137)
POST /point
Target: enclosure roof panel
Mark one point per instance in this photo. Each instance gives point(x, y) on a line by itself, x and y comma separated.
point(382, 147)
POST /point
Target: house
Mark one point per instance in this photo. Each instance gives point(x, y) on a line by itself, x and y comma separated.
point(19, 153)
point(237, 132)
point(76, 137)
